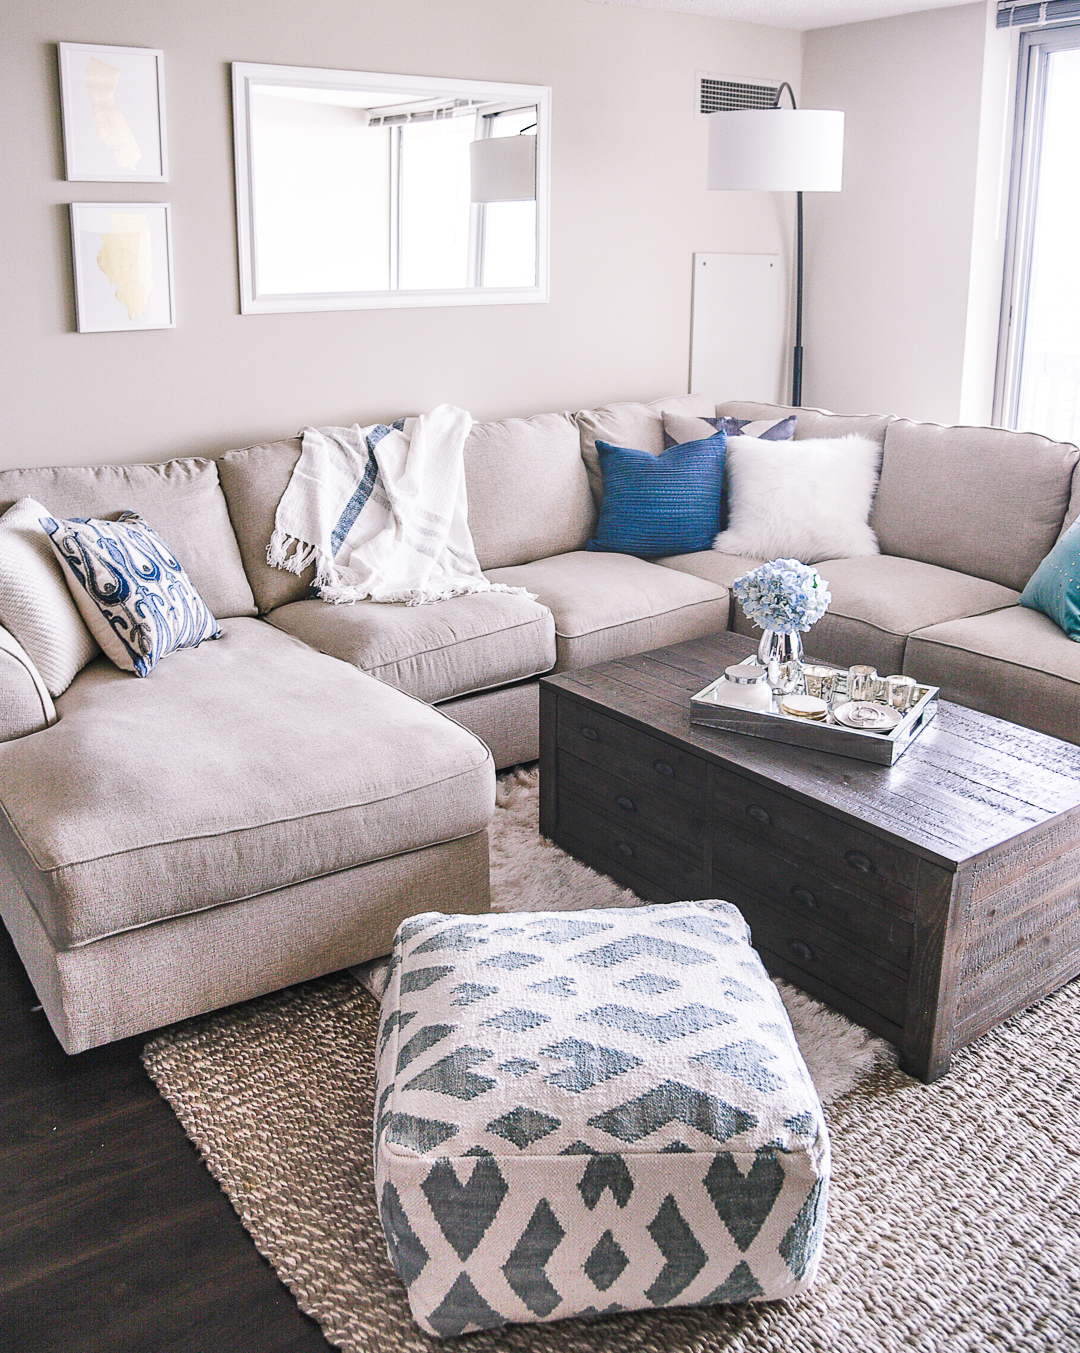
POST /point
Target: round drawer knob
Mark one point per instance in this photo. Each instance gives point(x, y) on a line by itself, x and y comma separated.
point(804, 896)
point(663, 768)
point(759, 814)
point(589, 734)
point(625, 848)
point(863, 863)
point(625, 803)
point(801, 950)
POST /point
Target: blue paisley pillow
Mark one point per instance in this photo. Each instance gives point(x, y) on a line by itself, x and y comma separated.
point(132, 591)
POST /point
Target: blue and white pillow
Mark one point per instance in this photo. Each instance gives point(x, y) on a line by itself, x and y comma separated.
point(660, 505)
point(678, 428)
point(130, 588)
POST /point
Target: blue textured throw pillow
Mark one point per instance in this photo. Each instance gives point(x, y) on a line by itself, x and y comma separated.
point(1054, 588)
point(130, 588)
point(657, 505)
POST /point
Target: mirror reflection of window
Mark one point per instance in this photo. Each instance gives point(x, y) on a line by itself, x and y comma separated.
point(322, 194)
point(509, 228)
point(434, 204)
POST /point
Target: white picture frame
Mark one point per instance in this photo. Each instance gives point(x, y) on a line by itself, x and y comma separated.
point(122, 253)
point(112, 101)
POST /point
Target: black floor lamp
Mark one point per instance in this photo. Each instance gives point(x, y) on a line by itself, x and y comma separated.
point(779, 150)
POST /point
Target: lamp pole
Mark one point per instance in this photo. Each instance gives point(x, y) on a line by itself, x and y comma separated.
point(797, 355)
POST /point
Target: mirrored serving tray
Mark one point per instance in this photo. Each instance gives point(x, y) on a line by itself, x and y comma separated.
point(827, 735)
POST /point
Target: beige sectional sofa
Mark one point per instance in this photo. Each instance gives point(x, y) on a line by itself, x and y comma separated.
point(269, 806)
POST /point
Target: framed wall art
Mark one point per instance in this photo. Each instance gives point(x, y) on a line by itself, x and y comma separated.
point(123, 265)
point(113, 105)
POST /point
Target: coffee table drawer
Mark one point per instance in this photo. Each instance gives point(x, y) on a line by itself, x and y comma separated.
point(635, 806)
point(627, 752)
point(811, 948)
point(621, 851)
point(867, 861)
point(809, 895)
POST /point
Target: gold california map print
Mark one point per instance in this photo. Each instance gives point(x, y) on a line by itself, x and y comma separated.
point(109, 121)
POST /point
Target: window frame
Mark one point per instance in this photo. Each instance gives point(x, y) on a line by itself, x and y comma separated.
point(1035, 47)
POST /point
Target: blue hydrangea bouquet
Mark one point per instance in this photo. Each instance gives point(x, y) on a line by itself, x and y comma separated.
point(783, 595)
point(785, 598)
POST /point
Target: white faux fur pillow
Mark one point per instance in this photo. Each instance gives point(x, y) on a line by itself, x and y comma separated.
point(807, 500)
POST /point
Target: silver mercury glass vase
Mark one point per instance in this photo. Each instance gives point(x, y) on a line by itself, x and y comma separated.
point(781, 655)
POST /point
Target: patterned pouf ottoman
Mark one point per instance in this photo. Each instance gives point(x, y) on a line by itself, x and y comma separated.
point(593, 1111)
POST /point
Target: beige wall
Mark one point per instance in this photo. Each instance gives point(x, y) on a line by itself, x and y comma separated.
point(629, 209)
point(889, 261)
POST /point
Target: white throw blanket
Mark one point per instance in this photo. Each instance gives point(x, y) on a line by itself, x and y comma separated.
point(382, 512)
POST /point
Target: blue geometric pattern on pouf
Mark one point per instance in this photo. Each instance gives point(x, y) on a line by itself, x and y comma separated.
point(599, 1112)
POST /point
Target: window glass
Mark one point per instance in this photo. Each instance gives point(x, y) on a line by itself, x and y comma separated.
point(1049, 383)
point(435, 203)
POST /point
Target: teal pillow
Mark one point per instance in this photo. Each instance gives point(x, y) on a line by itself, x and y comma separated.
point(665, 504)
point(1055, 585)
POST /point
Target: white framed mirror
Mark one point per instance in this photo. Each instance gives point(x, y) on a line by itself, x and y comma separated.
point(357, 190)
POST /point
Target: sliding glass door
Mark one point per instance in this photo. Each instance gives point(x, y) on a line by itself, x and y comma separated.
point(1039, 367)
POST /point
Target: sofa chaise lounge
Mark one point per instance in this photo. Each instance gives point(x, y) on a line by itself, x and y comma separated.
point(269, 806)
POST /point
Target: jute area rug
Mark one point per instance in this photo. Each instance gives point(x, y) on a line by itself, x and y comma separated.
point(953, 1217)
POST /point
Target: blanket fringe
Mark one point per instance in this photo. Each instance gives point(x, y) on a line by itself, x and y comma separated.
point(278, 556)
point(340, 593)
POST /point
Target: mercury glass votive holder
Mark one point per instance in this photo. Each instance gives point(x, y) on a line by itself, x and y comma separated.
point(861, 682)
point(901, 692)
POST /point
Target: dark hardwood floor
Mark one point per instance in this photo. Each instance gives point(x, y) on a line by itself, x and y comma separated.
point(113, 1236)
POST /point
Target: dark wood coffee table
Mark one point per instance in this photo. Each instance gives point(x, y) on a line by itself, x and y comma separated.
point(927, 900)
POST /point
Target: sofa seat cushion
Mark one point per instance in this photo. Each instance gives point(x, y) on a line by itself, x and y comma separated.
point(714, 567)
point(1014, 663)
point(469, 643)
point(879, 600)
point(249, 764)
point(181, 499)
point(607, 606)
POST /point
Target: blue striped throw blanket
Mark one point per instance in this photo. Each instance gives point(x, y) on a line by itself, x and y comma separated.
point(382, 512)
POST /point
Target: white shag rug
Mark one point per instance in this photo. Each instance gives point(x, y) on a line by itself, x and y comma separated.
point(530, 873)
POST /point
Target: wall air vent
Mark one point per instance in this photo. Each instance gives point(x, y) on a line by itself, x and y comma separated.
point(722, 93)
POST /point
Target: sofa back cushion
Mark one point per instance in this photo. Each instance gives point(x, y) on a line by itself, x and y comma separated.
point(810, 422)
point(637, 426)
point(983, 501)
point(528, 491)
point(182, 501)
point(254, 479)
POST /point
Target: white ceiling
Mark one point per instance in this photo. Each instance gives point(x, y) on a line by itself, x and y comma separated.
point(800, 14)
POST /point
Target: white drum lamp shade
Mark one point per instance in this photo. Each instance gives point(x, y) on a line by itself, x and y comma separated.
point(503, 169)
point(776, 150)
point(779, 150)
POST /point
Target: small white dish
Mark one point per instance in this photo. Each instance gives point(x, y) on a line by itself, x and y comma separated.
point(867, 716)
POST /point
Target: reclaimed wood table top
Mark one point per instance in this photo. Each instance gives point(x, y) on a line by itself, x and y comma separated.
point(965, 785)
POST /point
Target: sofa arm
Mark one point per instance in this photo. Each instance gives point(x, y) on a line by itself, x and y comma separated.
point(25, 703)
